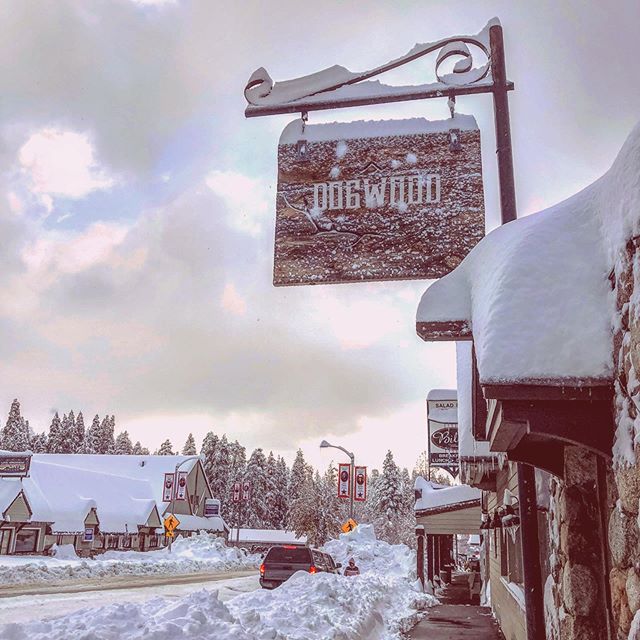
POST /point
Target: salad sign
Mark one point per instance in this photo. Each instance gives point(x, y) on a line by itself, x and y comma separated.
point(388, 200)
point(442, 419)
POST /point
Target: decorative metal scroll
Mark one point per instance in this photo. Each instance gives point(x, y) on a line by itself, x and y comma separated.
point(337, 85)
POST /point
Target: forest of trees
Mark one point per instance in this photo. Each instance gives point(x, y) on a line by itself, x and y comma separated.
point(299, 498)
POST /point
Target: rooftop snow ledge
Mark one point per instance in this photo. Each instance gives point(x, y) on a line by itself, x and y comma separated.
point(535, 292)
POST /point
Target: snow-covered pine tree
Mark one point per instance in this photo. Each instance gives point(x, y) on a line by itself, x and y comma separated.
point(221, 468)
point(189, 448)
point(255, 511)
point(166, 449)
point(208, 450)
point(123, 446)
point(390, 501)
point(139, 450)
point(92, 436)
point(297, 479)
point(56, 438)
point(237, 470)
point(332, 511)
point(39, 443)
point(271, 494)
point(78, 434)
point(15, 436)
point(282, 493)
point(303, 511)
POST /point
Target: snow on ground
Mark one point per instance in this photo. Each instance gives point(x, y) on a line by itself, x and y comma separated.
point(203, 552)
point(376, 605)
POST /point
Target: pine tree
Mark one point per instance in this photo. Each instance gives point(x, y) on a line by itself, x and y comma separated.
point(166, 449)
point(297, 480)
point(15, 436)
point(282, 494)
point(123, 445)
point(56, 442)
point(139, 450)
point(107, 435)
point(221, 468)
point(208, 450)
point(237, 472)
point(189, 448)
point(78, 434)
point(39, 443)
point(390, 504)
point(303, 512)
point(271, 493)
point(255, 509)
point(332, 511)
point(92, 437)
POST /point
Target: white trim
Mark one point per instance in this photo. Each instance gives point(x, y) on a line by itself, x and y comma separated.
point(516, 591)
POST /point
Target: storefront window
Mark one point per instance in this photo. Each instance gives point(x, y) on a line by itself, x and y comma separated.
point(26, 541)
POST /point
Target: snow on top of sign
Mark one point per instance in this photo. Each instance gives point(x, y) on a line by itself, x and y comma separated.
point(268, 535)
point(536, 291)
point(200, 523)
point(372, 129)
point(433, 496)
point(442, 394)
point(468, 446)
point(338, 82)
point(9, 490)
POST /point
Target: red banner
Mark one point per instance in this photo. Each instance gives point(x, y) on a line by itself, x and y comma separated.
point(167, 489)
point(360, 484)
point(344, 480)
point(181, 489)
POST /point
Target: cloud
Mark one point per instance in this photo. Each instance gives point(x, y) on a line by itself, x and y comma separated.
point(247, 199)
point(232, 301)
point(61, 163)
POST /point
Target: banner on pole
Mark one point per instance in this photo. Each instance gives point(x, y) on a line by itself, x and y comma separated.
point(167, 488)
point(246, 491)
point(360, 484)
point(237, 488)
point(181, 489)
point(344, 480)
point(386, 200)
point(442, 419)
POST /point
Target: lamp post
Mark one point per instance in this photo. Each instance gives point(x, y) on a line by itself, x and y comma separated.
point(175, 488)
point(325, 445)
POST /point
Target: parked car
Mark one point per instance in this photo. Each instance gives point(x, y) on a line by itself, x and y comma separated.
point(283, 561)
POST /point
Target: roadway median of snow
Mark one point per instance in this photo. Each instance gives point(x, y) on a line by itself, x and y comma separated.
point(202, 553)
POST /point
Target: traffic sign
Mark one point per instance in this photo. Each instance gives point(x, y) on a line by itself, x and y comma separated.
point(170, 524)
point(349, 525)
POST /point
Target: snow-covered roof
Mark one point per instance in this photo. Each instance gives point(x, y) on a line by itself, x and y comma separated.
point(436, 496)
point(198, 523)
point(148, 468)
point(535, 292)
point(64, 494)
point(269, 535)
point(372, 128)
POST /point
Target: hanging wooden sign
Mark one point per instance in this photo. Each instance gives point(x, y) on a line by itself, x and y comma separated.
point(442, 419)
point(386, 200)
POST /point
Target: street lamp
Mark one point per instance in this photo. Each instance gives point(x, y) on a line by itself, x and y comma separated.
point(325, 445)
point(175, 488)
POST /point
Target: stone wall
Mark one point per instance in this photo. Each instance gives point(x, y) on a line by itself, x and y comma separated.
point(623, 532)
point(575, 593)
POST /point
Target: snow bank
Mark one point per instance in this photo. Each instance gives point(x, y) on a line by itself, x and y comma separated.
point(380, 604)
point(201, 553)
point(373, 555)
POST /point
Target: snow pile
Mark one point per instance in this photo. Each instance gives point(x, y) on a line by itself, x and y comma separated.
point(64, 552)
point(306, 607)
point(373, 555)
point(202, 553)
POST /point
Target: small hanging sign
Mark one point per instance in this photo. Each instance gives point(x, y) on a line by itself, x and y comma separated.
point(385, 200)
point(181, 489)
point(361, 484)
point(344, 480)
point(167, 488)
point(442, 419)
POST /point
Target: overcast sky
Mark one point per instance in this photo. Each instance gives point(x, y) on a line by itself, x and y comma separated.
point(137, 208)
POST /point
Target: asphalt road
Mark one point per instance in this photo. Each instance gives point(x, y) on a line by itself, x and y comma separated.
point(23, 603)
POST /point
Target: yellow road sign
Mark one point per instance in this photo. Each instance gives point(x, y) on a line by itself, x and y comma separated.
point(169, 534)
point(349, 525)
point(171, 523)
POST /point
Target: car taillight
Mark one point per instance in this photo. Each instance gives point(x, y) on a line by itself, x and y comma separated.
point(262, 569)
point(313, 569)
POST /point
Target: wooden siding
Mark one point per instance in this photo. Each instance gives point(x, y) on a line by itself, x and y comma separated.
point(18, 510)
point(507, 609)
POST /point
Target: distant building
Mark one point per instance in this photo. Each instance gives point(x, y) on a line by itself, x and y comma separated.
point(257, 540)
point(100, 502)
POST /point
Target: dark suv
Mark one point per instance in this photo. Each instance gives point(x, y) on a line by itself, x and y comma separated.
point(283, 561)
